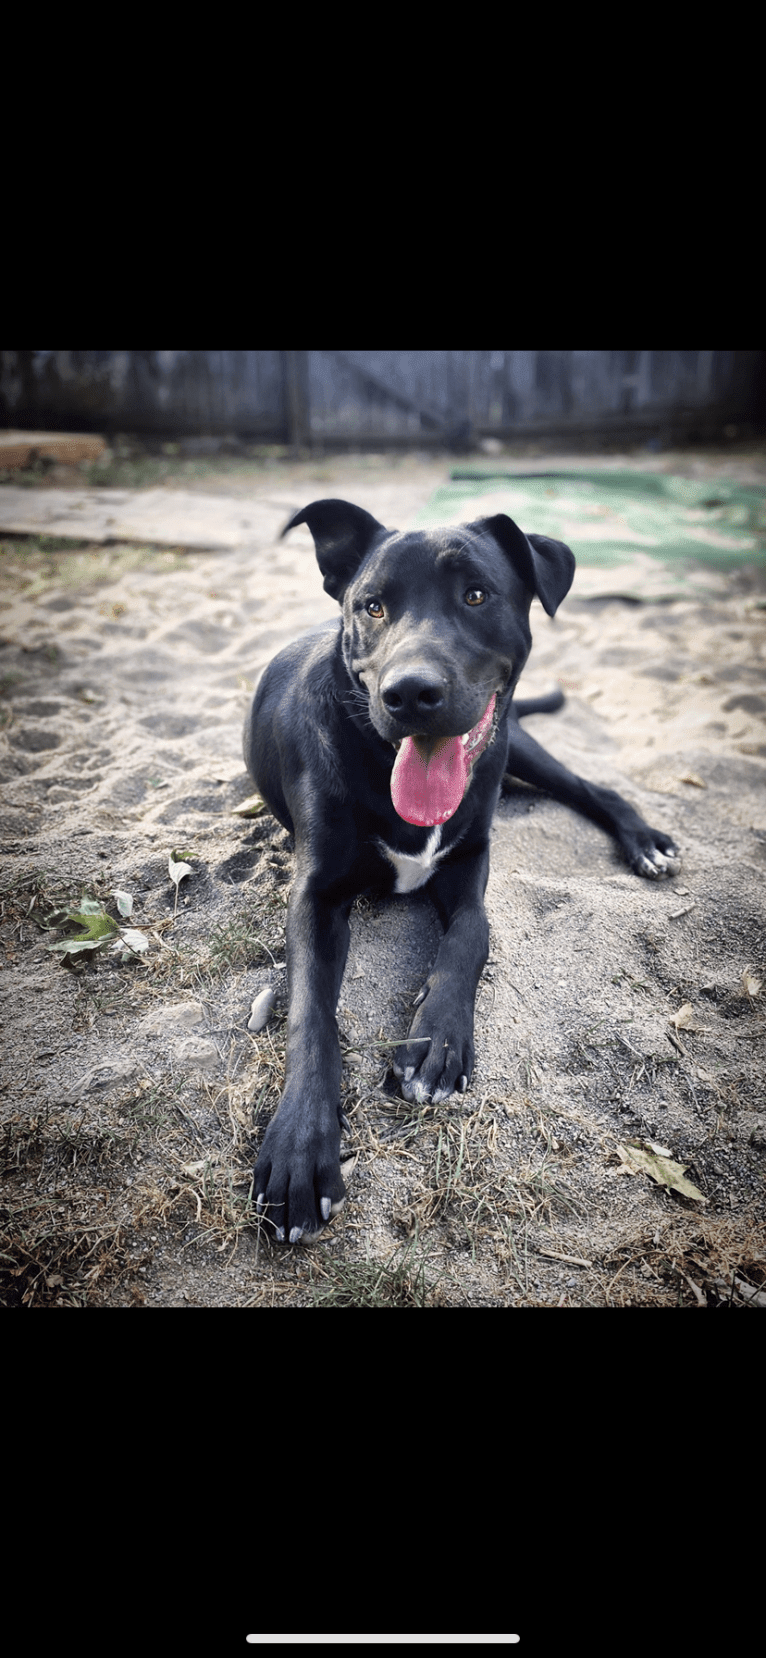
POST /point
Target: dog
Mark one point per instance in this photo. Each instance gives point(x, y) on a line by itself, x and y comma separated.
point(380, 741)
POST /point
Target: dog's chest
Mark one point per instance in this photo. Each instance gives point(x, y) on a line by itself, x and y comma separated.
point(413, 869)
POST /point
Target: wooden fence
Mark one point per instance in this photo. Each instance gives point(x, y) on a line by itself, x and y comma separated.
point(376, 399)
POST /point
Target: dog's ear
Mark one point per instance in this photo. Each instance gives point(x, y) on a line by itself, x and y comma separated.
point(343, 535)
point(546, 566)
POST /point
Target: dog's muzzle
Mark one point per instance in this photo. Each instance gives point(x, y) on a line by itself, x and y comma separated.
point(431, 774)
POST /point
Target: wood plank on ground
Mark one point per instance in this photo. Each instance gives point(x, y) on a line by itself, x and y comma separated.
point(18, 448)
point(163, 517)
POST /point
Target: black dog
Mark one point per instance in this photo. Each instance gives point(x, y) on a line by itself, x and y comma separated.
point(381, 743)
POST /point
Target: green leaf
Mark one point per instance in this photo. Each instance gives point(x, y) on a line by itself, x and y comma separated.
point(96, 929)
point(96, 926)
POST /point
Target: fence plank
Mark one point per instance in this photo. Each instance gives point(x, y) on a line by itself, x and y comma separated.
point(380, 397)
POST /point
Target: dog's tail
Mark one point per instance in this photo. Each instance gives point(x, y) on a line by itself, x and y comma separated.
point(540, 705)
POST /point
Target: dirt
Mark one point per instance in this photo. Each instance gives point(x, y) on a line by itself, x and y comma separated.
point(616, 1016)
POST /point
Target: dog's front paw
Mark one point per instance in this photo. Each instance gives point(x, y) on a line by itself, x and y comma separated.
point(437, 1059)
point(297, 1181)
point(651, 853)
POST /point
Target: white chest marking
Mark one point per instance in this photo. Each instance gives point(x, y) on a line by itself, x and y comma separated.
point(414, 869)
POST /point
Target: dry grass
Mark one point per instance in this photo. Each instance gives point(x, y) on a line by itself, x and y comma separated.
point(89, 1196)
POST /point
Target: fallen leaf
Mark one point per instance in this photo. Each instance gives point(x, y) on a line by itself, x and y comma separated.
point(202, 1163)
point(691, 777)
point(135, 940)
point(178, 872)
point(124, 902)
point(252, 807)
point(74, 946)
point(96, 929)
point(640, 1160)
point(684, 1018)
point(750, 984)
point(95, 923)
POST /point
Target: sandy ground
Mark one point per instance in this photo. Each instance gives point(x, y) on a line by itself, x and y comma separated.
point(133, 1094)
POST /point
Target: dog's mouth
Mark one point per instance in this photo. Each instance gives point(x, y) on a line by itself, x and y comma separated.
point(431, 774)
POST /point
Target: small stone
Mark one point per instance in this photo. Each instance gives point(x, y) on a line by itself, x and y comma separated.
point(261, 1010)
point(195, 1054)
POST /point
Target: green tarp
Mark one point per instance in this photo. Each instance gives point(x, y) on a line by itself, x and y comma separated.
point(638, 534)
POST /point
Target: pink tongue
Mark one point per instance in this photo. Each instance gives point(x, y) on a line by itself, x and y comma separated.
point(430, 776)
point(428, 791)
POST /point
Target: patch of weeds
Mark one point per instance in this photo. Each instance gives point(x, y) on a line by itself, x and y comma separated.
point(128, 471)
point(58, 1246)
point(22, 890)
point(507, 1247)
point(709, 1262)
point(73, 1146)
point(544, 1191)
point(219, 1183)
point(401, 1281)
point(46, 1259)
point(29, 476)
point(536, 1188)
point(58, 543)
point(220, 1188)
point(22, 1141)
point(33, 563)
point(32, 895)
point(235, 944)
point(126, 465)
point(148, 1108)
point(463, 1188)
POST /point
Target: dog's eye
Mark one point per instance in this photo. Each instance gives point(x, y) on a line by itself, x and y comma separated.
point(475, 595)
point(374, 608)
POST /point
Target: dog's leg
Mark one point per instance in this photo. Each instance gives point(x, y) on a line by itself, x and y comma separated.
point(648, 851)
point(438, 1057)
point(297, 1181)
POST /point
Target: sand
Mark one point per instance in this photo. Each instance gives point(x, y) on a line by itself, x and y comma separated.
point(133, 1093)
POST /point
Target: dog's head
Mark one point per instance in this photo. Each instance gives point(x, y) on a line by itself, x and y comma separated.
point(435, 628)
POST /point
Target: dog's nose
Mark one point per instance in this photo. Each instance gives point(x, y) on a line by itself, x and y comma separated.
point(408, 695)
